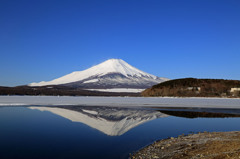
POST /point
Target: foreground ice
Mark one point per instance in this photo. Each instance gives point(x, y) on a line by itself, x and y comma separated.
point(121, 101)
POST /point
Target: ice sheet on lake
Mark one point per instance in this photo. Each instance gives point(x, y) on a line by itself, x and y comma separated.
point(121, 101)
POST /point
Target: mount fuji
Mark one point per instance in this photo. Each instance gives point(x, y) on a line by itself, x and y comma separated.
point(113, 75)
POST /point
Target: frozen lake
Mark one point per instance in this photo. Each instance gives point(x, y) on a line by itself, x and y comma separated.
point(121, 101)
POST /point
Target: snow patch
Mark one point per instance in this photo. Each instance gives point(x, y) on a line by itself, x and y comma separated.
point(90, 111)
point(91, 81)
point(119, 90)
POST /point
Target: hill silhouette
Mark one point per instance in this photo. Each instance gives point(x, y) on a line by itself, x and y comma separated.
point(192, 87)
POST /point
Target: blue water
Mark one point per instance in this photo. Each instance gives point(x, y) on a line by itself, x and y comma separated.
point(27, 133)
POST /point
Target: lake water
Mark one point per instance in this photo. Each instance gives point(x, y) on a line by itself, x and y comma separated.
point(83, 132)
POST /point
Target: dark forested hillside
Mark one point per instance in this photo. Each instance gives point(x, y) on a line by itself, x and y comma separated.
point(57, 90)
point(192, 87)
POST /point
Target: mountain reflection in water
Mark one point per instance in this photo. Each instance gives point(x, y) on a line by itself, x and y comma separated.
point(115, 121)
point(112, 121)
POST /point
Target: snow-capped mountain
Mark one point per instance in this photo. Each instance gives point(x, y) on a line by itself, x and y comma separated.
point(111, 121)
point(113, 73)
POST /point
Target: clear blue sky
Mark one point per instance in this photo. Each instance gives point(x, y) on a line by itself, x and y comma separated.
point(45, 39)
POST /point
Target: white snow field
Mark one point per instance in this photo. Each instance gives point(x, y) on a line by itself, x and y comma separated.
point(121, 101)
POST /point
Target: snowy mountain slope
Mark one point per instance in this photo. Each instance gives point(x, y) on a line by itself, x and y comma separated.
point(113, 73)
point(110, 121)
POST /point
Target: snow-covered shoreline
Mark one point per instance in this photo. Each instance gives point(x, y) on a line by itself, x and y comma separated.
point(228, 103)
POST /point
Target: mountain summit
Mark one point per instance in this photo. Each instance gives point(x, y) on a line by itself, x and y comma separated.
point(113, 73)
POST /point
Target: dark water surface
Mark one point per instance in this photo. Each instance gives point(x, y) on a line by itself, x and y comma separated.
point(99, 132)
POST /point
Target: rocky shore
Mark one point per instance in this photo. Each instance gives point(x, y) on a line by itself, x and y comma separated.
point(215, 145)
